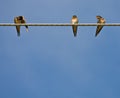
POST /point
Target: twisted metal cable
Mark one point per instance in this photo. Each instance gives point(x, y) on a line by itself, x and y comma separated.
point(60, 24)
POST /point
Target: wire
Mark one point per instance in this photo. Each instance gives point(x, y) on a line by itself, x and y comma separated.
point(60, 24)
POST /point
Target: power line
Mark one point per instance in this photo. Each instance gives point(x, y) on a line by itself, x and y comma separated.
point(59, 24)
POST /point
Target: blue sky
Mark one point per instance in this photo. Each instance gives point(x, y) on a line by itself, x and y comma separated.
point(49, 62)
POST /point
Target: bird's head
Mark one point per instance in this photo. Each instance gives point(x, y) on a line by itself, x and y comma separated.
point(20, 17)
point(74, 16)
point(98, 17)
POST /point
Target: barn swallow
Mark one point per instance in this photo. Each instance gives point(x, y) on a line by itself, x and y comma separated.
point(99, 27)
point(20, 20)
point(74, 27)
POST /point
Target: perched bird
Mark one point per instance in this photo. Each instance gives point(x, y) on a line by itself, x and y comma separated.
point(20, 20)
point(99, 27)
point(74, 27)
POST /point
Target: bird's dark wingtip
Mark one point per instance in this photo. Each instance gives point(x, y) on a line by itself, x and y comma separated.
point(18, 34)
point(75, 35)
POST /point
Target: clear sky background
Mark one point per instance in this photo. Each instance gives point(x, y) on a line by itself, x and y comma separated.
point(49, 62)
